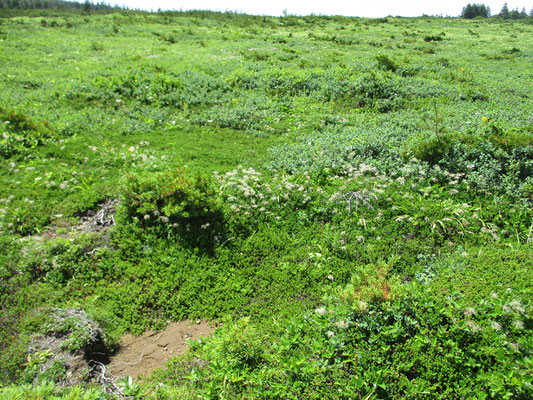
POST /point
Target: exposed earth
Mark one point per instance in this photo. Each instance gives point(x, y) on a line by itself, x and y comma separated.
point(139, 355)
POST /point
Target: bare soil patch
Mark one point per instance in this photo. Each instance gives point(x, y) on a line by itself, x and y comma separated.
point(139, 355)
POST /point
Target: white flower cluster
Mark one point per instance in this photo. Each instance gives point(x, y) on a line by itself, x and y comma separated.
point(248, 193)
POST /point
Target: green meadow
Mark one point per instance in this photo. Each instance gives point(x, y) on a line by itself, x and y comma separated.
point(348, 199)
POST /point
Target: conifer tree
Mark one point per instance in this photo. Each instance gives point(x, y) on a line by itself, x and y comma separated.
point(504, 13)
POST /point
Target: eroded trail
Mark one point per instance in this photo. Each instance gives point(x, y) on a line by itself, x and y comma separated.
point(139, 355)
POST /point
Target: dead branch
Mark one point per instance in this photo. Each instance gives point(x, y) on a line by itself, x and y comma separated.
point(358, 198)
point(107, 383)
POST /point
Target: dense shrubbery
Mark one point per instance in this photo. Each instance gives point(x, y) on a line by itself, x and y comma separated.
point(188, 88)
point(20, 133)
point(50, 391)
point(379, 341)
point(170, 203)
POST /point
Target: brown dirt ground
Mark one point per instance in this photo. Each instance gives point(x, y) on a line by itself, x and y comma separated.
point(139, 355)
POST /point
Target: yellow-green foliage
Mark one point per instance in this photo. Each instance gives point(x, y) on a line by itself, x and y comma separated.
point(371, 283)
point(49, 391)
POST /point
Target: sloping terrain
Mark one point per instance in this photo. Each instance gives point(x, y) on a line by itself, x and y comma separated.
point(351, 198)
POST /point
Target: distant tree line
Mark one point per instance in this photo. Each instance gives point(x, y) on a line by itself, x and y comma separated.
point(514, 14)
point(54, 5)
point(471, 11)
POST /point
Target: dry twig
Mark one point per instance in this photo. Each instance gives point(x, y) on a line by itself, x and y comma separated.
point(357, 198)
point(108, 383)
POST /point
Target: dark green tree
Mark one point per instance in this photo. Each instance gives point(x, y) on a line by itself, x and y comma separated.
point(87, 6)
point(475, 10)
point(54, 4)
point(504, 13)
point(515, 14)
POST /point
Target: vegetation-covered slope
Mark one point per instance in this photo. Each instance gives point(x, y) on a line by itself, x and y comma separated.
point(351, 197)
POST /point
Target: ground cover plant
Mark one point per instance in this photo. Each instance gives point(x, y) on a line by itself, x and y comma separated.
point(350, 198)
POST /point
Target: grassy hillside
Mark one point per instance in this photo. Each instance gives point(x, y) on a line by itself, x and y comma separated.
point(350, 197)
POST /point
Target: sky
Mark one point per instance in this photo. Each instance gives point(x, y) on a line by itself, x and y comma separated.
point(359, 8)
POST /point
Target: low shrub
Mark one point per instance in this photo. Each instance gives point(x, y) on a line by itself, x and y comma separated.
point(430, 150)
point(494, 160)
point(386, 63)
point(20, 133)
point(433, 38)
point(171, 203)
